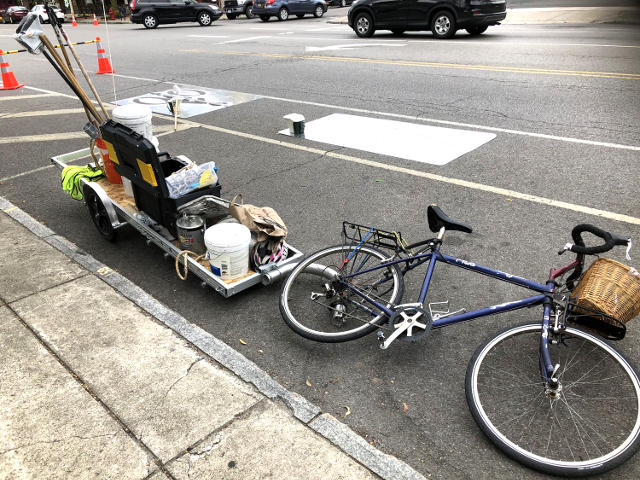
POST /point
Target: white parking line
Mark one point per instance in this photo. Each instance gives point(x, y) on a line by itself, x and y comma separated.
point(208, 36)
point(46, 137)
point(21, 97)
point(512, 194)
point(46, 167)
point(247, 39)
point(407, 171)
point(464, 125)
point(40, 113)
point(461, 42)
point(324, 29)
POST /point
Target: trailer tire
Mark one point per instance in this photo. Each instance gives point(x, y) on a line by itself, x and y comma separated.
point(99, 214)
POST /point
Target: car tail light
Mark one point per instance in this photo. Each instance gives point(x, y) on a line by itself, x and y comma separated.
point(271, 2)
point(133, 5)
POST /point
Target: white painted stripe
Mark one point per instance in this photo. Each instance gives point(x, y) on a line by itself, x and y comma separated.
point(430, 176)
point(464, 125)
point(247, 39)
point(462, 41)
point(46, 137)
point(208, 36)
point(138, 78)
point(39, 113)
point(26, 97)
point(36, 170)
point(51, 92)
point(325, 29)
point(545, 136)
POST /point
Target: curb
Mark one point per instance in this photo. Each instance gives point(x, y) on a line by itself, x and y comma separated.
point(336, 432)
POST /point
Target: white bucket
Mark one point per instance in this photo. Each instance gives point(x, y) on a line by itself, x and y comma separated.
point(228, 249)
point(137, 118)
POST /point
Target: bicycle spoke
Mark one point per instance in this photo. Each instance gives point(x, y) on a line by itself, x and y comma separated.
point(580, 424)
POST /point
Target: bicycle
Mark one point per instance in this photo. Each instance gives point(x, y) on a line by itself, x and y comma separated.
point(552, 395)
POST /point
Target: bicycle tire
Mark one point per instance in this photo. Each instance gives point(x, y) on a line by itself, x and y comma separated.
point(597, 433)
point(299, 311)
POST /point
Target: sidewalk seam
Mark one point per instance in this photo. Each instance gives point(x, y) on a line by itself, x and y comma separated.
point(85, 386)
point(348, 441)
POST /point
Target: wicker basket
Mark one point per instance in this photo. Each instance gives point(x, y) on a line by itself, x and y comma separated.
point(608, 286)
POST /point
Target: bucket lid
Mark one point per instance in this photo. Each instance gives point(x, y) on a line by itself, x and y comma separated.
point(189, 221)
point(131, 112)
point(227, 235)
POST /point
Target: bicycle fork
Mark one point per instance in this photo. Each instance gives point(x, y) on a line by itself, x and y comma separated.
point(549, 370)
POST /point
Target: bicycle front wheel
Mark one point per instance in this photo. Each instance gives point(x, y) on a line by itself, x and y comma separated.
point(316, 302)
point(590, 425)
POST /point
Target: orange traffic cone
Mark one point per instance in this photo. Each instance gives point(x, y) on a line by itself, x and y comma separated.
point(95, 20)
point(104, 66)
point(73, 21)
point(9, 81)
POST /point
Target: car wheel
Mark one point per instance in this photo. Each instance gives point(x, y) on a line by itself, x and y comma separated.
point(150, 21)
point(474, 31)
point(204, 19)
point(319, 11)
point(264, 18)
point(363, 25)
point(231, 16)
point(283, 14)
point(443, 24)
point(343, 3)
point(397, 31)
point(249, 11)
point(300, 15)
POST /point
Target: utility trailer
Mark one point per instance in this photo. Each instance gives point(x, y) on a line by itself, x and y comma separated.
point(110, 209)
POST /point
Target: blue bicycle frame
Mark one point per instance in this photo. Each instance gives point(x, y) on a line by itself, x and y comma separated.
point(544, 297)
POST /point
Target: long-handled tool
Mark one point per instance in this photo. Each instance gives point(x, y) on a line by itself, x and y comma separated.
point(30, 35)
point(60, 33)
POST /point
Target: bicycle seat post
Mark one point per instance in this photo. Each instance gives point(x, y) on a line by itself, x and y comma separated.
point(441, 233)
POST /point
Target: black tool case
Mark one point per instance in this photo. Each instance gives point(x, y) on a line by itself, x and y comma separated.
point(135, 158)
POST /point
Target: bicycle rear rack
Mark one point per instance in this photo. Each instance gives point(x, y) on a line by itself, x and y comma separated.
point(356, 234)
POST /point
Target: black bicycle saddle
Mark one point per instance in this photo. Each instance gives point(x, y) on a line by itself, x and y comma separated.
point(438, 219)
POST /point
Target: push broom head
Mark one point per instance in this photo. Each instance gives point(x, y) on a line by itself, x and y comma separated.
point(28, 33)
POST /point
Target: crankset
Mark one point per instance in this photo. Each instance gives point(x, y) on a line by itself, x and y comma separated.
point(408, 323)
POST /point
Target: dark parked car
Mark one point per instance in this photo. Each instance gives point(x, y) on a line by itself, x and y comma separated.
point(152, 13)
point(442, 17)
point(339, 3)
point(266, 9)
point(13, 14)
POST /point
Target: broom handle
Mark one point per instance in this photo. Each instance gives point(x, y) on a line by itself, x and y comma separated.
point(57, 31)
point(84, 73)
point(71, 79)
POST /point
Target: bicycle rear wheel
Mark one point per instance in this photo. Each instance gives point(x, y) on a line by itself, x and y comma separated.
point(592, 423)
point(316, 303)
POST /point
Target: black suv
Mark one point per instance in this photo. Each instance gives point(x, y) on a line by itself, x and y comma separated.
point(152, 13)
point(442, 17)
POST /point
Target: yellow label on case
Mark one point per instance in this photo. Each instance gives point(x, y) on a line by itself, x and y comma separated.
point(146, 170)
point(112, 153)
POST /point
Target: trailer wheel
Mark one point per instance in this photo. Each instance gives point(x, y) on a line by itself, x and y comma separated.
point(99, 214)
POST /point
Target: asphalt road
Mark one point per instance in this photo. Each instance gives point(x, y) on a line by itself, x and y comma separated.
point(561, 100)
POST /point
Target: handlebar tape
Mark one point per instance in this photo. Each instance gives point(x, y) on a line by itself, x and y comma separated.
point(609, 241)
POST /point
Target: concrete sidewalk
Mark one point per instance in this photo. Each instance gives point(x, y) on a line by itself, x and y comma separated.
point(576, 15)
point(98, 379)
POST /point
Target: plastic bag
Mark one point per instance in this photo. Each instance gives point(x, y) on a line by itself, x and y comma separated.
point(191, 178)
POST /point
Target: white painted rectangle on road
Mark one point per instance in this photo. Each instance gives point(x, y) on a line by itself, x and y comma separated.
point(411, 141)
